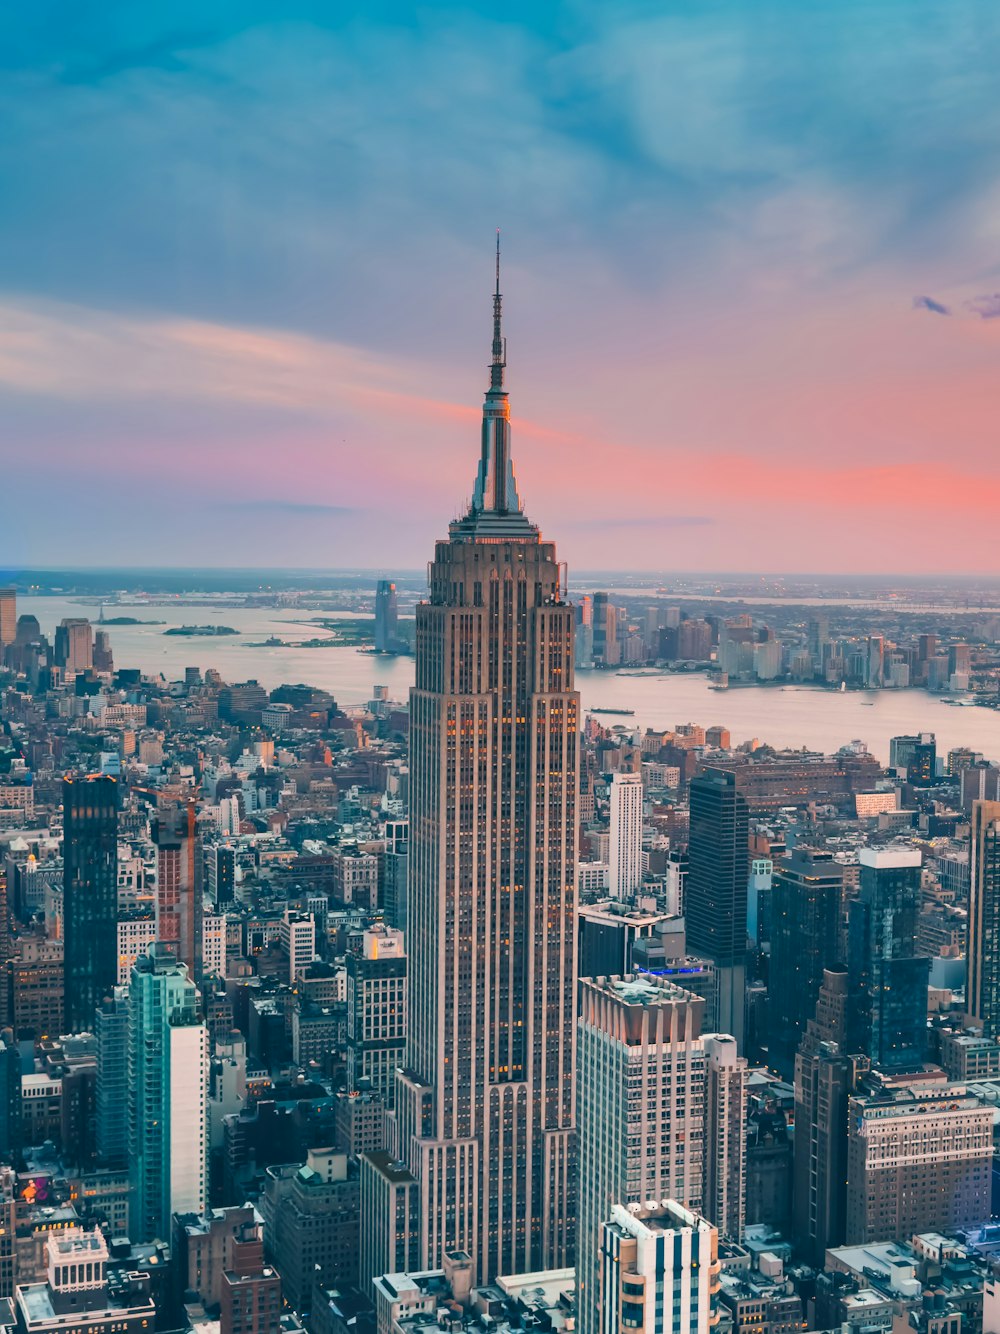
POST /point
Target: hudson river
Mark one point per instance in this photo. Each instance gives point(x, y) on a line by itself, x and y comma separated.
point(782, 716)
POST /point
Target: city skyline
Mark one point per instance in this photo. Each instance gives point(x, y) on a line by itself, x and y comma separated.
point(733, 276)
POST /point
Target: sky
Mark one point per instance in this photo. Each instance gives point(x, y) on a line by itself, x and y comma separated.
point(751, 279)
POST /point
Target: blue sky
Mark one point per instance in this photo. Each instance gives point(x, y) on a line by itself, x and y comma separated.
point(245, 269)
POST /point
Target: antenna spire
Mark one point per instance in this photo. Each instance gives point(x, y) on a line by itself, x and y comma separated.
point(499, 347)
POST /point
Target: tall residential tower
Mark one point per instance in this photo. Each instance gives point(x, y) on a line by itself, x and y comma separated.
point(484, 1109)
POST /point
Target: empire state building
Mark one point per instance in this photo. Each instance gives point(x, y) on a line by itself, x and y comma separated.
point(484, 1110)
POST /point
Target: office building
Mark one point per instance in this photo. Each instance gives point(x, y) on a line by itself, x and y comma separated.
point(355, 877)
point(395, 870)
point(80, 1295)
point(724, 1197)
point(74, 646)
point(111, 1096)
point(918, 1160)
point(12, 1137)
point(825, 1078)
point(297, 935)
point(179, 892)
point(8, 620)
point(659, 1271)
point(914, 757)
point(386, 615)
point(90, 894)
point(376, 1011)
point(390, 1208)
point(220, 874)
point(805, 900)
point(167, 1095)
point(311, 1218)
point(716, 891)
point(625, 841)
point(609, 931)
point(983, 985)
point(485, 1109)
point(136, 932)
point(36, 988)
point(888, 981)
point(605, 632)
point(640, 1109)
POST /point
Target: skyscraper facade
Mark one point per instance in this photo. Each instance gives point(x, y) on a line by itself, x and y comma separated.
point(90, 894)
point(179, 893)
point(805, 906)
point(659, 1271)
point(386, 616)
point(167, 1096)
point(74, 648)
point(984, 916)
point(484, 1110)
point(716, 891)
point(641, 1110)
point(376, 1011)
point(8, 619)
point(888, 980)
point(625, 841)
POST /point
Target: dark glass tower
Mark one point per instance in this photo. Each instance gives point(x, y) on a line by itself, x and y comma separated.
point(90, 894)
point(717, 884)
point(888, 982)
point(984, 917)
point(805, 905)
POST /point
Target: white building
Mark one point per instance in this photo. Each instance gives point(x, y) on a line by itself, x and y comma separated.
point(297, 935)
point(659, 1271)
point(625, 842)
point(725, 1135)
point(640, 1109)
point(213, 938)
point(135, 935)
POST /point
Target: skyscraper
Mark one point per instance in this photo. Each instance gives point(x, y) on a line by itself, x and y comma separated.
point(74, 650)
point(825, 1077)
point(90, 894)
point(984, 916)
point(888, 981)
point(385, 616)
point(625, 842)
point(715, 907)
point(376, 1010)
point(660, 1271)
point(111, 1030)
point(8, 619)
point(805, 907)
point(640, 1103)
point(167, 1095)
point(725, 1195)
point(484, 1111)
point(179, 895)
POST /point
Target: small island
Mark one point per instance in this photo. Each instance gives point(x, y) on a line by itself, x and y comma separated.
point(196, 630)
point(127, 620)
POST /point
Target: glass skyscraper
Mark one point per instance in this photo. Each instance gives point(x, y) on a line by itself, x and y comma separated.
point(90, 894)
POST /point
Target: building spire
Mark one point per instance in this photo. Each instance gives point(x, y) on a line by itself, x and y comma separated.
point(499, 346)
point(495, 510)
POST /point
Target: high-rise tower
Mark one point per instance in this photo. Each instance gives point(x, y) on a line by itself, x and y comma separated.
point(716, 896)
point(90, 894)
point(484, 1109)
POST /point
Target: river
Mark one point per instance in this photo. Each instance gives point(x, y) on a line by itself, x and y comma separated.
point(782, 716)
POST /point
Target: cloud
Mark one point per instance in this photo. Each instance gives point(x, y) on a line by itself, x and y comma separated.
point(986, 307)
point(928, 303)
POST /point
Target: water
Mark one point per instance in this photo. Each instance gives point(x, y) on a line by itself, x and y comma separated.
point(782, 716)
